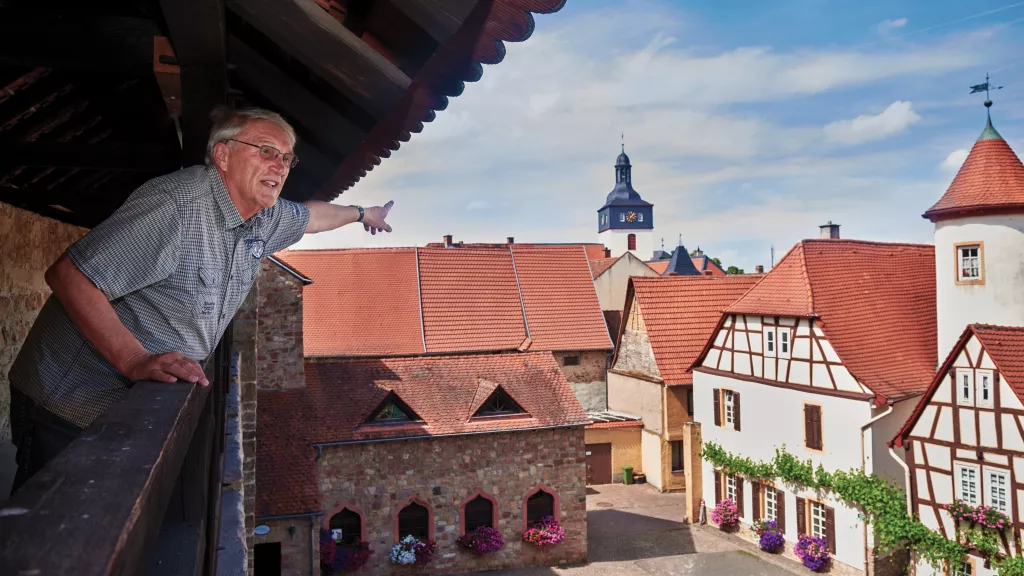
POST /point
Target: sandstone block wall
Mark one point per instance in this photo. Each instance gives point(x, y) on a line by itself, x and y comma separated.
point(589, 379)
point(279, 348)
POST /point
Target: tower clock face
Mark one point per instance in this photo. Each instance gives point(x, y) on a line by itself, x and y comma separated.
point(630, 216)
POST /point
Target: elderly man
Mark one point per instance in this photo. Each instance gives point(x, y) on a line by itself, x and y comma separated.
point(147, 294)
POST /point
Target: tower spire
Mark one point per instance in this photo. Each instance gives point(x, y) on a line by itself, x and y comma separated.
point(990, 132)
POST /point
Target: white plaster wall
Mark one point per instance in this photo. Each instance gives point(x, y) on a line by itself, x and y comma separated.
point(611, 284)
point(637, 397)
point(772, 416)
point(878, 459)
point(650, 454)
point(617, 242)
point(1000, 300)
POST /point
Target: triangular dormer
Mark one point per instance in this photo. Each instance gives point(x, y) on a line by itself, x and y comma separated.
point(392, 410)
point(498, 403)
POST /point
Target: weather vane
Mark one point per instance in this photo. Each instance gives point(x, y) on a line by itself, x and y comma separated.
point(986, 87)
point(623, 140)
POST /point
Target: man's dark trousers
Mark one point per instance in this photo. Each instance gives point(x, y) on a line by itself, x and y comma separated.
point(38, 434)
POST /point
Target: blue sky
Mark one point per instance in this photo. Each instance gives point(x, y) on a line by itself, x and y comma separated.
point(748, 124)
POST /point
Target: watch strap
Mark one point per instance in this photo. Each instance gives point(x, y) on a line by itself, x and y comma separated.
point(361, 214)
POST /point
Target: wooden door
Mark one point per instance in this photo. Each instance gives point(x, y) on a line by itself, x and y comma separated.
point(599, 464)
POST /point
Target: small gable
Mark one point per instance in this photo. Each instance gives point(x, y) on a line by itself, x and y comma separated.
point(498, 403)
point(393, 410)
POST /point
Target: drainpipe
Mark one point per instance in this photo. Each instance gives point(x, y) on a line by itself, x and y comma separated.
point(863, 464)
point(314, 537)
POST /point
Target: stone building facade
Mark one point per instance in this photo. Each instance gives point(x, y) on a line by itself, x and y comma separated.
point(586, 372)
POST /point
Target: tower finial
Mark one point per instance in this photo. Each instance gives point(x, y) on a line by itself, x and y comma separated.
point(622, 136)
point(680, 240)
point(989, 132)
point(662, 243)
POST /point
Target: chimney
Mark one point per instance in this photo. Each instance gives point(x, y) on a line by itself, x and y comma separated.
point(447, 240)
point(607, 253)
point(511, 240)
point(708, 273)
point(829, 230)
point(759, 269)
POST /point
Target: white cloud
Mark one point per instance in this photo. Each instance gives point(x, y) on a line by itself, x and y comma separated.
point(955, 160)
point(865, 128)
point(887, 26)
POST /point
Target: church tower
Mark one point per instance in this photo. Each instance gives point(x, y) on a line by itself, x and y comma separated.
point(626, 222)
point(979, 240)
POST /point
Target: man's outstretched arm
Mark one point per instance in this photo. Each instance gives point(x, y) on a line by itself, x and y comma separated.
point(92, 313)
point(324, 216)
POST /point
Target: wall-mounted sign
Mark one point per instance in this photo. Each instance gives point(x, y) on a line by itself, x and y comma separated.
point(262, 529)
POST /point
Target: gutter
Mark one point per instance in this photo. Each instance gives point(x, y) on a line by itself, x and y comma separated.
point(863, 462)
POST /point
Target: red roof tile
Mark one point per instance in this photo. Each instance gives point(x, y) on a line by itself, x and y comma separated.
point(405, 301)
point(1004, 344)
point(560, 299)
point(341, 395)
point(990, 180)
point(704, 264)
point(658, 266)
point(849, 285)
point(362, 302)
point(597, 267)
point(681, 314)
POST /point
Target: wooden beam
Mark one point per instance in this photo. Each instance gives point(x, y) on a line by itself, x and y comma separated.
point(37, 38)
point(101, 156)
point(439, 18)
point(292, 100)
point(307, 32)
point(199, 39)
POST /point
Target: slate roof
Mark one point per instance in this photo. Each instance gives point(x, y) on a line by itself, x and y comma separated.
point(681, 264)
point(405, 301)
point(1004, 344)
point(704, 264)
point(849, 285)
point(991, 180)
point(342, 395)
point(681, 314)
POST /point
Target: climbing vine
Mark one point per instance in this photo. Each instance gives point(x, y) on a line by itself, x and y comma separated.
point(881, 503)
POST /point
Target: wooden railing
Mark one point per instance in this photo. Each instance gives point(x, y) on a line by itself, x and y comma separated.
point(137, 493)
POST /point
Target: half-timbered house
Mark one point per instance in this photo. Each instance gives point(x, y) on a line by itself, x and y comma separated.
point(808, 360)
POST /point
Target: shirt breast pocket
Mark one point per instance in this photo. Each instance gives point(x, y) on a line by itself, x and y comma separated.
point(208, 293)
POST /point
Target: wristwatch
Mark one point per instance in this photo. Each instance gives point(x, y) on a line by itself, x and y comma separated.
point(360, 208)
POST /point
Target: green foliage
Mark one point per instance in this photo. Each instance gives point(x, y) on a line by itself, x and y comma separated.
point(882, 503)
point(717, 261)
point(733, 270)
point(1010, 566)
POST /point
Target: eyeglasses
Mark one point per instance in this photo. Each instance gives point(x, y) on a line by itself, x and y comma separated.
point(268, 152)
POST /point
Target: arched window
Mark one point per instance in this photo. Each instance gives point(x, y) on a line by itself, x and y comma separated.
point(538, 506)
point(479, 512)
point(350, 525)
point(414, 520)
point(631, 240)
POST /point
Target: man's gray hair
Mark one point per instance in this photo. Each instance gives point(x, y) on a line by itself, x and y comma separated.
point(228, 123)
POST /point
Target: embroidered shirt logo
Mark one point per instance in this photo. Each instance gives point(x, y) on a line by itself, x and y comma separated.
point(256, 247)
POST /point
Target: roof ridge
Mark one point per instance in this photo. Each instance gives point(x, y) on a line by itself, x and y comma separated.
point(807, 278)
point(519, 288)
point(859, 241)
point(419, 299)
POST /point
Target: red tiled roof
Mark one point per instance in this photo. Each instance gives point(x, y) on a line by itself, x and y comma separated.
point(362, 302)
point(659, 266)
point(1004, 344)
point(681, 314)
point(341, 395)
point(849, 285)
point(597, 267)
point(704, 264)
point(405, 301)
point(560, 299)
point(594, 251)
point(990, 180)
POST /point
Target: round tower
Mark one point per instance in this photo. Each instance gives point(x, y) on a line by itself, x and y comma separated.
point(979, 241)
point(626, 222)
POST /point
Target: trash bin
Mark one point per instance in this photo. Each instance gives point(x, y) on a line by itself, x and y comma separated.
point(627, 474)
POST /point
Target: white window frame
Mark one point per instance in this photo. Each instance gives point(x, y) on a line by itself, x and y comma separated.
point(968, 268)
point(964, 379)
point(771, 504)
point(965, 568)
point(984, 380)
point(998, 498)
point(817, 514)
point(785, 340)
point(639, 216)
point(769, 342)
point(730, 487)
point(728, 409)
point(622, 216)
point(968, 494)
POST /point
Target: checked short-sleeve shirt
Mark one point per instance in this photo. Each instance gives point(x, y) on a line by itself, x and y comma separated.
point(175, 261)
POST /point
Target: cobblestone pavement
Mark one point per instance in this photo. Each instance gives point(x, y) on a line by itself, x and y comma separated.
point(636, 530)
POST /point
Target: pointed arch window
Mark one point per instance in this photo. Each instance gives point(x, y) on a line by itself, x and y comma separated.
point(631, 242)
point(346, 527)
point(414, 520)
point(479, 512)
point(538, 506)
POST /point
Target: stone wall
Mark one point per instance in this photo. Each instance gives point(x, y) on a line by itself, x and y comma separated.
point(29, 244)
point(244, 344)
point(294, 534)
point(589, 378)
point(636, 355)
point(279, 329)
point(377, 479)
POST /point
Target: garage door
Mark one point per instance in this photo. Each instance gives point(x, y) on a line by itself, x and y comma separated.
point(599, 464)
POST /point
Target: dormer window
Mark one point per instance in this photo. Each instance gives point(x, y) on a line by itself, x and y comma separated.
point(393, 411)
point(499, 403)
point(970, 263)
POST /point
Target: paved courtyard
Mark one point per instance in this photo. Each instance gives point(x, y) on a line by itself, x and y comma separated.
point(635, 530)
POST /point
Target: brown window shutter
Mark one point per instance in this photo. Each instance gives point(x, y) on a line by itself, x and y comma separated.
point(739, 494)
point(718, 487)
point(736, 410)
point(817, 427)
point(801, 516)
point(780, 505)
point(808, 429)
point(830, 529)
point(755, 501)
point(717, 393)
point(812, 426)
